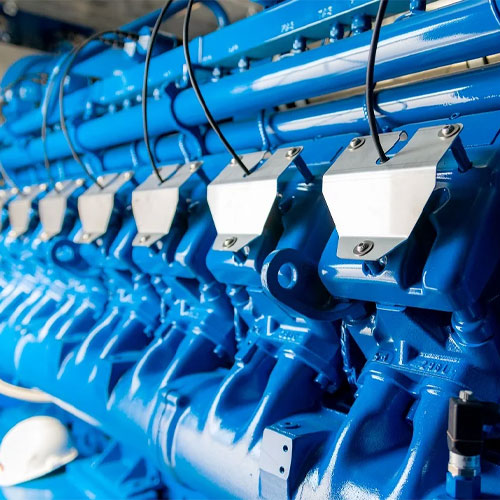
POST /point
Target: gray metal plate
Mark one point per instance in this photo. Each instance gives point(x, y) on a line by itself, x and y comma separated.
point(154, 204)
point(95, 206)
point(241, 204)
point(381, 203)
point(52, 208)
point(20, 207)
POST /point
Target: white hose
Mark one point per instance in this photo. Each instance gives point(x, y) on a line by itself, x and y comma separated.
point(24, 394)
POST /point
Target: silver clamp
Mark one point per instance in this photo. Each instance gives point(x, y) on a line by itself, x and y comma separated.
point(376, 206)
point(154, 204)
point(242, 205)
point(96, 205)
point(52, 208)
point(20, 207)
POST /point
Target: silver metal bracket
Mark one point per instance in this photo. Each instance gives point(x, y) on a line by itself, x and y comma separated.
point(5, 196)
point(241, 205)
point(52, 208)
point(20, 207)
point(95, 206)
point(154, 204)
point(376, 206)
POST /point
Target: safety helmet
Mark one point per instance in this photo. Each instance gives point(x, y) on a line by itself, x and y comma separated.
point(32, 448)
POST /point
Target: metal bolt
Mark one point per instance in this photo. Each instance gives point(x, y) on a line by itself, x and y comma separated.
point(356, 143)
point(14, 191)
point(100, 179)
point(292, 152)
point(229, 242)
point(59, 186)
point(194, 166)
point(43, 187)
point(363, 248)
point(26, 189)
point(233, 161)
point(448, 131)
point(85, 236)
point(466, 395)
point(143, 239)
point(79, 182)
point(44, 236)
point(127, 175)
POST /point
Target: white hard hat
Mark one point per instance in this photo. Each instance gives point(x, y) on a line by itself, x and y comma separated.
point(32, 448)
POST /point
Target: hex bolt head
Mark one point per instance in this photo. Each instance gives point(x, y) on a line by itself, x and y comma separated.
point(448, 131)
point(194, 166)
point(356, 143)
point(85, 236)
point(144, 238)
point(466, 395)
point(229, 242)
point(363, 248)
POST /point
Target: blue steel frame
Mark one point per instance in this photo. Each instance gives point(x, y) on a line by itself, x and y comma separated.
point(279, 371)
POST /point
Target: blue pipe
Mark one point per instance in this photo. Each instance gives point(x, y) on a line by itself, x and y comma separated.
point(422, 42)
point(447, 97)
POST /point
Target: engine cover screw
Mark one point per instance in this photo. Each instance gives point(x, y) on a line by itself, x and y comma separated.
point(356, 143)
point(292, 152)
point(229, 242)
point(363, 248)
point(448, 131)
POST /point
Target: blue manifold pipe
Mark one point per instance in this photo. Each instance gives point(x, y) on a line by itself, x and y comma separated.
point(298, 332)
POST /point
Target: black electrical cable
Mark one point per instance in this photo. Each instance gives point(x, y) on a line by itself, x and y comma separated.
point(69, 63)
point(147, 62)
point(370, 85)
point(198, 93)
point(43, 132)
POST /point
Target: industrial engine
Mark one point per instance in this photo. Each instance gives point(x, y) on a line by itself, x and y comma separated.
point(260, 263)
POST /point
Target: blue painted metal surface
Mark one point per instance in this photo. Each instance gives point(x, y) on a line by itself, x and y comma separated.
point(279, 370)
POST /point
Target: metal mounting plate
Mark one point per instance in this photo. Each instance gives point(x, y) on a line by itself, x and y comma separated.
point(376, 206)
point(52, 208)
point(19, 209)
point(154, 204)
point(241, 204)
point(95, 206)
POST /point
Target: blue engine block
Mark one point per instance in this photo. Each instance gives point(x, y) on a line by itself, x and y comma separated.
point(216, 336)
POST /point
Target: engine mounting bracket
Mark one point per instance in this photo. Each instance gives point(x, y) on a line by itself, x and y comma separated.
point(96, 205)
point(376, 206)
point(154, 203)
point(241, 205)
point(52, 207)
point(19, 209)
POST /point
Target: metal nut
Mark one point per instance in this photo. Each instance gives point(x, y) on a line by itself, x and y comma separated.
point(363, 248)
point(466, 395)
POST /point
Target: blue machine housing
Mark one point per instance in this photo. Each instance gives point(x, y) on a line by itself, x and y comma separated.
point(278, 370)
